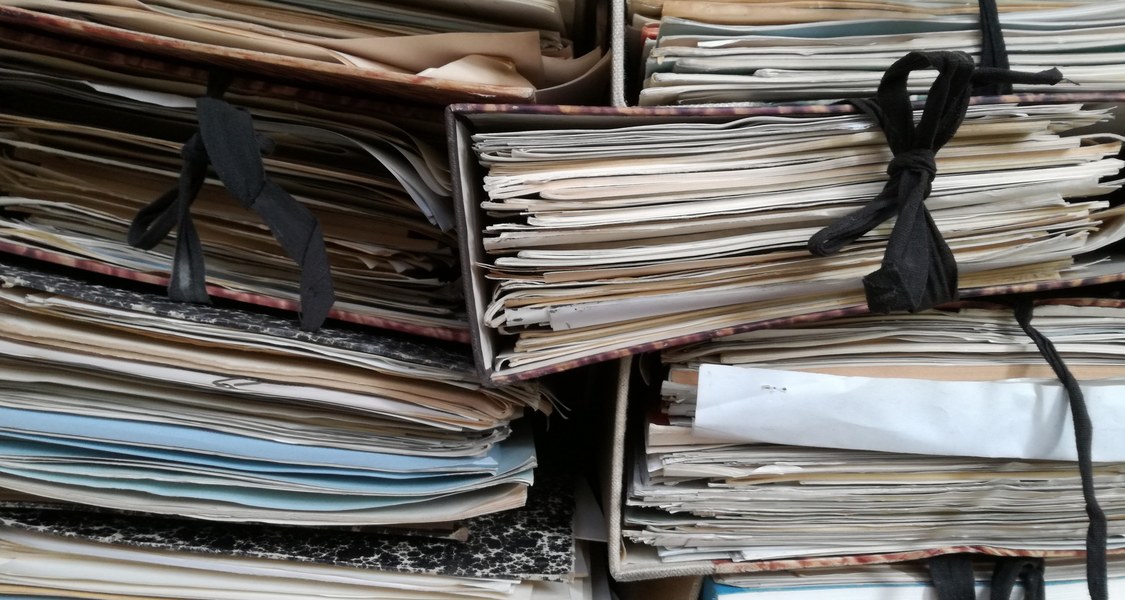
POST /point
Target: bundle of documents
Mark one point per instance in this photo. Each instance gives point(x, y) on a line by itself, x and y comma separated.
point(1065, 580)
point(434, 52)
point(605, 236)
point(83, 148)
point(528, 553)
point(130, 401)
point(891, 437)
point(703, 51)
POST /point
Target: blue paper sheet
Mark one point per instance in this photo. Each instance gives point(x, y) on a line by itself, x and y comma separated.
point(114, 435)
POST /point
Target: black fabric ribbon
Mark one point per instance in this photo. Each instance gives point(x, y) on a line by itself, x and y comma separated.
point(918, 269)
point(993, 51)
point(227, 141)
point(1029, 572)
point(1096, 575)
point(952, 576)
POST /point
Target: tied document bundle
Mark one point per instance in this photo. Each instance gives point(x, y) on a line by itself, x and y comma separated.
point(433, 52)
point(715, 51)
point(1064, 580)
point(599, 237)
point(297, 414)
point(84, 149)
point(818, 465)
point(524, 554)
point(130, 401)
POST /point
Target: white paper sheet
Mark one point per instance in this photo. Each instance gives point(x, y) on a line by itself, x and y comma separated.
point(1012, 419)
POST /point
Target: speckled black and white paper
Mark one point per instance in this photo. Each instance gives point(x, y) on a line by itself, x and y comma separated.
point(533, 542)
point(390, 345)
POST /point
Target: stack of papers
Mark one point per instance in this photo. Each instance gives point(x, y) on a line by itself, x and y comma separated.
point(430, 51)
point(130, 401)
point(602, 241)
point(83, 149)
point(1065, 579)
point(525, 554)
point(758, 453)
point(703, 51)
point(115, 399)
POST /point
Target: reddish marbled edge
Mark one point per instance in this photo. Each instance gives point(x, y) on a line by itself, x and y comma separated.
point(985, 303)
point(851, 311)
point(734, 111)
point(94, 266)
point(427, 90)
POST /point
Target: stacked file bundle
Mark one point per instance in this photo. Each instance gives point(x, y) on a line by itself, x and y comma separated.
point(273, 158)
point(885, 438)
point(716, 51)
point(84, 148)
point(1064, 581)
point(604, 235)
point(523, 554)
point(130, 401)
point(384, 470)
point(432, 52)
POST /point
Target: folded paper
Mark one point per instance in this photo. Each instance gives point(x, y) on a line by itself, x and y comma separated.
point(1003, 419)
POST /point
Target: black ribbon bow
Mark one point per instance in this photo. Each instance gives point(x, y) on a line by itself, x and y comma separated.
point(227, 141)
point(918, 269)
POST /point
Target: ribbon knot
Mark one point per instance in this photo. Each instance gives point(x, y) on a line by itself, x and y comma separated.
point(917, 159)
point(226, 141)
point(918, 269)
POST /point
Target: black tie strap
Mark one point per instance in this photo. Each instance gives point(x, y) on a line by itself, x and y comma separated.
point(952, 576)
point(1096, 576)
point(993, 51)
point(227, 141)
point(1029, 572)
point(918, 269)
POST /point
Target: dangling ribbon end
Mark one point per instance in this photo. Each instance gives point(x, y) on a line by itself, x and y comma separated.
point(317, 299)
point(1053, 76)
point(817, 244)
point(190, 293)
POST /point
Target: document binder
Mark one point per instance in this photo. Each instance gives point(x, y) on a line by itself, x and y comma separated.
point(231, 415)
point(499, 555)
point(630, 561)
point(579, 80)
point(911, 495)
point(681, 53)
point(347, 157)
point(490, 344)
